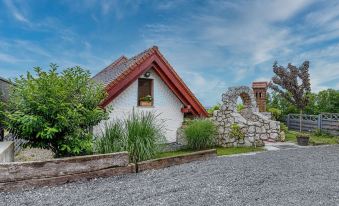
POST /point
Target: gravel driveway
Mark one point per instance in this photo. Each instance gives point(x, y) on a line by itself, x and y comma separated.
point(304, 176)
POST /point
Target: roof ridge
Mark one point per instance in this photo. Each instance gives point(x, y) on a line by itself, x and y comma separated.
point(113, 65)
point(143, 55)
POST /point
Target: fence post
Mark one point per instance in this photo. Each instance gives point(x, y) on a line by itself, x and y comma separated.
point(320, 119)
point(288, 121)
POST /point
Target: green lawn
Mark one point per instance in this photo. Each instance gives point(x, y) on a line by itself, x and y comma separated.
point(315, 139)
point(237, 150)
point(220, 151)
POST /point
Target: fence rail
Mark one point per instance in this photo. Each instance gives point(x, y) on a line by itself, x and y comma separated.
point(327, 122)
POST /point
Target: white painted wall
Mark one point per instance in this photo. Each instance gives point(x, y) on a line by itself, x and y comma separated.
point(166, 104)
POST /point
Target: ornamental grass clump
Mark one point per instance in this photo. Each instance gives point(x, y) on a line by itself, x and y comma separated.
point(111, 138)
point(200, 134)
point(141, 134)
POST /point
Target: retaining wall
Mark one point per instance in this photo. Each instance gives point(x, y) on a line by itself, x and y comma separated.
point(27, 175)
point(58, 171)
point(177, 160)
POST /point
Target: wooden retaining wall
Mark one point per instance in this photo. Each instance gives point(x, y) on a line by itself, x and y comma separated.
point(27, 175)
point(177, 160)
point(23, 175)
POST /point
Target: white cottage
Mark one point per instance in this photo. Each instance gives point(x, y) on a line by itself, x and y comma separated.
point(147, 82)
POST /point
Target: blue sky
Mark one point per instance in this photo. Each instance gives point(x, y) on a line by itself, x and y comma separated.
point(211, 44)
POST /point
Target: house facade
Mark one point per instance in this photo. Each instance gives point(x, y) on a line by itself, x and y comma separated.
point(147, 82)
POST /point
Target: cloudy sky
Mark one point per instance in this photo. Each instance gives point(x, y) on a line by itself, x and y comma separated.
point(211, 44)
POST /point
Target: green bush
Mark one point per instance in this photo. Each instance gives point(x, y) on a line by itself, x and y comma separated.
point(55, 111)
point(140, 134)
point(240, 107)
point(236, 132)
point(200, 134)
point(276, 113)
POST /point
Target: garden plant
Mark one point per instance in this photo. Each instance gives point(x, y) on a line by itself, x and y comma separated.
point(294, 85)
point(55, 111)
point(140, 134)
point(200, 134)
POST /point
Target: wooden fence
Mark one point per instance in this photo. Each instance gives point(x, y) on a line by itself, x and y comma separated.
point(327, 122)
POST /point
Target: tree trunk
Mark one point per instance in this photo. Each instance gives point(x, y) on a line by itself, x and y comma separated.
point(300, 121)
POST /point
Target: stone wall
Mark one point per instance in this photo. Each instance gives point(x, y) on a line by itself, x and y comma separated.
point(255, 126)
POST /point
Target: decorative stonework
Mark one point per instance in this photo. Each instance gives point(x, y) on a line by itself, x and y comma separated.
point(254, 125)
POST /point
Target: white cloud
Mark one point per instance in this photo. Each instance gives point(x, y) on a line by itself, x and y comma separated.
point(18, 15)
point(8, 58)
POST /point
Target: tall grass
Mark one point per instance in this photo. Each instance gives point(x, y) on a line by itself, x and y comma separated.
point(200, 134)
point(140, 134)
point(111, 138)
point(144, 134)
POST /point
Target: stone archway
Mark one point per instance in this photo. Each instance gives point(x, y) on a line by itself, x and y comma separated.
point(254, 125)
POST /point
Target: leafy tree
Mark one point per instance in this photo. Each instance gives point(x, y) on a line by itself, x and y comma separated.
point(56, 111)
point(293, 84)
point(328, 101)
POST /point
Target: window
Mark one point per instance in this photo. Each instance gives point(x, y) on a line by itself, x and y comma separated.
point(145, 92)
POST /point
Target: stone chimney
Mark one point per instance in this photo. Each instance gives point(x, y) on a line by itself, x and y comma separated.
point(260, 89)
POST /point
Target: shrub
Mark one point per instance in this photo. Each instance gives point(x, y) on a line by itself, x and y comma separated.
point(200, 134)
point(139, 134)
point(240, 107)
point(55, 111)
point(276, 113)
point(236, 132)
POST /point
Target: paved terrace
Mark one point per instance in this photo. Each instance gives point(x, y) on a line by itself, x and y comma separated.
point(302, 176)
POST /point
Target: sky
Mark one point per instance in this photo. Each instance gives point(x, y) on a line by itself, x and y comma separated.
point(211, 44)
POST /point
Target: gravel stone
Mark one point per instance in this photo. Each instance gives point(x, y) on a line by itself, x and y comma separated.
point(303, 176)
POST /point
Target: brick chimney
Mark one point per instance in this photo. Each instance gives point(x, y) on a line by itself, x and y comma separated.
point(260, 89)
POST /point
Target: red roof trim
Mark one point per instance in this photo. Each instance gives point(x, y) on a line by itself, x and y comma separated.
point(167, 74)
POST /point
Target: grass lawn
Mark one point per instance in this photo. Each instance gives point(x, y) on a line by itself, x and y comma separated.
point(291, 136)
point(220, 151)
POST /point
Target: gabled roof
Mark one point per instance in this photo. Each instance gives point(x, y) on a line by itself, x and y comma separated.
point(5, 80)
point(123, 72)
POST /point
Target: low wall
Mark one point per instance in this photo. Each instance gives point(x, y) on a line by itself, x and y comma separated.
point(6, 152)
point(58, 171)
point(177, 160)
point(27, 175)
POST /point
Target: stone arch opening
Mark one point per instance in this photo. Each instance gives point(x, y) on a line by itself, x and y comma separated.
point(246, 100)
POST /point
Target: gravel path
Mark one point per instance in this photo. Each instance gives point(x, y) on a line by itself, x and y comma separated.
point(305, 176)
